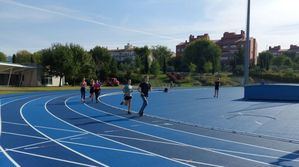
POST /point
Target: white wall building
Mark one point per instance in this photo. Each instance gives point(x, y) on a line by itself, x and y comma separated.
point(123, 54)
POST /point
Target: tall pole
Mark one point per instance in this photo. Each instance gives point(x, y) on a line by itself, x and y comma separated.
point(247, 49)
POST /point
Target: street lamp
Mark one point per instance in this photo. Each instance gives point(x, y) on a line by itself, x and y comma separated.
point(247, 47)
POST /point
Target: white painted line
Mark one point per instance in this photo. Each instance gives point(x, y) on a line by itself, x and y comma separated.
point(256, 155)
point(43, 127)
point(196, 162)
point(31, 148)
point(138, 139)
point(9, 157)
point(52, 158)
point(107, 148)
point(111, 131)
point(15, 100)
point(34, 144)
point(195, 134)
point(189, 145)
point(55, 141)
point(158, 155)
point(23, 135)
point(135, 125)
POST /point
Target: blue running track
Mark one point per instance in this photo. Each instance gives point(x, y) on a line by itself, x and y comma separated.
point(55, 129)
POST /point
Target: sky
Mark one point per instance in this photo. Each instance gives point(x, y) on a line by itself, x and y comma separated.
point(36, 24)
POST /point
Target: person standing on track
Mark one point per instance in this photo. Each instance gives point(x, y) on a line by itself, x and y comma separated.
point(217, 85)
point(97, 90)
point(91, 91)
point(82, 90)
point(144, 88)
point(127, 90)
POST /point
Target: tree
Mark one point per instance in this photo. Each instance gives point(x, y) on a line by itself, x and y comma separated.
point(237, 60)
point(23, 57)
point(264, 60)
point(102, 59)
point(155, 68)
point(201, 51)
point(192, 68)
point(14, 58)
point(281, 61)
point(207, 67)
point(3, 57)
point(144, 54)
point(162, 54)
point(58, 61)
point(138, 64)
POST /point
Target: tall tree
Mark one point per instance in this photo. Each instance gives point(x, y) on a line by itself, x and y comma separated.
point(23, 57)
point(201, 51)
point(264, 60)
point(162, 54)
point(102, 59)
point(155, 68)
point(58, 61)
point(14, 58)
point(144, 54)
point(3, 57)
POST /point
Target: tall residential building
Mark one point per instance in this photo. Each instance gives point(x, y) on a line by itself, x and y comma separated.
point(230, 44)
point(181, 47)
point(127, 53)
point(277, 51)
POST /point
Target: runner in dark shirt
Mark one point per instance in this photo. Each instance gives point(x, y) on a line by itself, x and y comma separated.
point(144, 88)
point(217, 85)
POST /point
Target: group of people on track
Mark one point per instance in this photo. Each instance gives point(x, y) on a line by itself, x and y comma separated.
point(95, 89)
point(144, 88)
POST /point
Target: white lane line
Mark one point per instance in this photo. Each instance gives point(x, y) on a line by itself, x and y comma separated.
point(23, 135)
point(9, 157)
point(106, 148)
point(38, 143)
point(138, 139)
point(256, 155)
point(259, 123)
point(55, 141)
point(52, 158)
point(196, 162)
point(15, 100)
point(189, 145)
point(195, 134)
point(158, 155)
point(43, 127)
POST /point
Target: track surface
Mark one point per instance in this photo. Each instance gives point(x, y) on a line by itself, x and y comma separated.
point(55, 129)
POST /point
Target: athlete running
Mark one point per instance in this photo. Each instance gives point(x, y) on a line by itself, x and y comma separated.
point(97, 90)
point(82, 90)
point(127, 90)
point(91, 91)
point(144, 88)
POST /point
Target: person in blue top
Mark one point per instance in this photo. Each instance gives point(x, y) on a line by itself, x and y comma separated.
point(127, 90)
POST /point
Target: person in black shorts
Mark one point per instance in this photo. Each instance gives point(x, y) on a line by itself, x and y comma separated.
point(144, 88)
point(217, 85)
point(91, 90)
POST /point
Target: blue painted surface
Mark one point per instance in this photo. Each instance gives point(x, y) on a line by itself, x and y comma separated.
point(229, 111)
point(279, 92)
point(111, 134)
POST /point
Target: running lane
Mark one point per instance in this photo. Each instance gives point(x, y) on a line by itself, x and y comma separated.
point(198, 148)
point(92, 145)
point(20, 140)
point(267, 151)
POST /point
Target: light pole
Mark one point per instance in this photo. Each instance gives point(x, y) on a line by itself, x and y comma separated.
point(247, 47)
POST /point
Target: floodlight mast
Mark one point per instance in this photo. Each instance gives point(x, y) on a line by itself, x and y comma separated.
point(247, 47)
